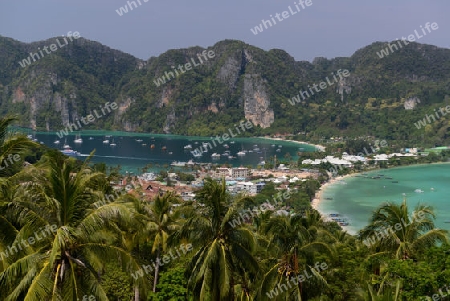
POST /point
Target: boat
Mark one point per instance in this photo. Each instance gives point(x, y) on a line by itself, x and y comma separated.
point(78, 139)
point(419, 191)
point(215, 156)
point(231, 142)
point(144, 144)
point(57, 142)
point(280, 146)
point(91, 138)
point(106, 141)
point(226, 146)
point(70, 152)
point(230, 157)
point(113, 144)
point(178, 163)
point(256, 149)
point(164, 148)
point(170, 153)
point(273, 145)
point(152, 146)
point(328, 198)
point(189, 146)
point(278, 150)
point(65, 144)
point(241, 153)
point(139, 140)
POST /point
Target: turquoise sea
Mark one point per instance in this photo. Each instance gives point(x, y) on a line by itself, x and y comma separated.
point(357, 197)
point(133, 155)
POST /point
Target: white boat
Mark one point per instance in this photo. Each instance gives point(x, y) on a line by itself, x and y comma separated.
point(139, 140)
point(113, 144)
point(226, 146)
point(189, 146)
point(106, 141)
point(230, 157)
point(78, 140)
point(178, 163)
point(215, 156)
point(69, 152)
point(280, 146)
point(231, 142)
point(273, 145)
point(91, 138)
point(57, 142)
point(419, 191)
point(241, 153)
point(65, 144)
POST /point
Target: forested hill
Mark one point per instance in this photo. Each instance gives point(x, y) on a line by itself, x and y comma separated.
point(382, 97)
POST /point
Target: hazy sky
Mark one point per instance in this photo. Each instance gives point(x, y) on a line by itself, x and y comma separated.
point(328, 28)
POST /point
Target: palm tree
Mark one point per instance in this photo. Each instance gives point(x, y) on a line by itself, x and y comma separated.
point(294, 244)
point(71, 239)
point(225, 258)
point(11, 145)
point(391, 231)
point(159, 222)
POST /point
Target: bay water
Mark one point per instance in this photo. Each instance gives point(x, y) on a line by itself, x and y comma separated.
point(357, 197)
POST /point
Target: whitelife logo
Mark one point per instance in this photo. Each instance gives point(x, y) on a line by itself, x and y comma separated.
point(46, 231)
point(166, 259)
point(411, 38)
point(86, 120)
point(53, 48)
point(423, 122)
point(323, 85)
point(162, 80)
point(284, 15)
point(198, 151)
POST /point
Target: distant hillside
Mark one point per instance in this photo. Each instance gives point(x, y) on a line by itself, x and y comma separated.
point(381, 97)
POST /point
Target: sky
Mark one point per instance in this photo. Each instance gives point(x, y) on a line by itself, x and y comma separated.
point(325, 28)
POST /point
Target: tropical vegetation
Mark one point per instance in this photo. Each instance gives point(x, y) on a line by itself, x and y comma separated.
point(59, 240)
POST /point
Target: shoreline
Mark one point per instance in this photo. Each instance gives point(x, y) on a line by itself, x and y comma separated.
point(318, 197)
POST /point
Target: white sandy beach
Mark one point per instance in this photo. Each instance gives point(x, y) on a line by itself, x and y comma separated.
point(318, 197)
point(320, 147)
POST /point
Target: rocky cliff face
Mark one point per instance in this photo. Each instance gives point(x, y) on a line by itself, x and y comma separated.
point(239, 82)
point(257, 102)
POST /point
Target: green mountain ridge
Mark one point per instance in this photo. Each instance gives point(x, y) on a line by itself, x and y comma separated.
point(382, 97)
